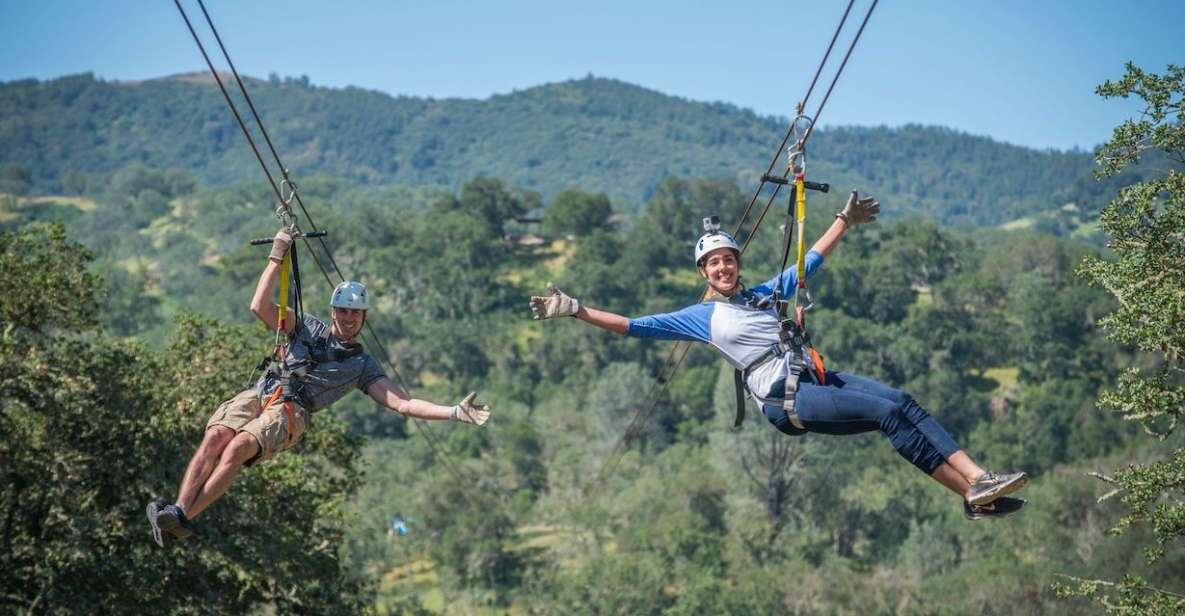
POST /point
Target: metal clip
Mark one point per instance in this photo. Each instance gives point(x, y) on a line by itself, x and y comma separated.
point(291, 189)
point(800, 127)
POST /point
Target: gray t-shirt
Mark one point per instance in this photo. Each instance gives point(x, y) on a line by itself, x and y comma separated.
point(324, 367)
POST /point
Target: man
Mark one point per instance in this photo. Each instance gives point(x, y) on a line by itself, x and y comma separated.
point(321, 364)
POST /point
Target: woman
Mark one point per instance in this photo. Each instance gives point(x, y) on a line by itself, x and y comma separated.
point(744, 329)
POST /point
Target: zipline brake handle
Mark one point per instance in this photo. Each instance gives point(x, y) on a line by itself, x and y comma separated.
point(777, 179)
point(268, 240)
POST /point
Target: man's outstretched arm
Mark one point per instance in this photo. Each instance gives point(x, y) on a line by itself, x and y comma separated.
point(393, 397)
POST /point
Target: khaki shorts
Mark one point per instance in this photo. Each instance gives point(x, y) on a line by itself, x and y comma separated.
point(270, 427)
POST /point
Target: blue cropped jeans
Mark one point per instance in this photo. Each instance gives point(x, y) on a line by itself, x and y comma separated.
point(851, 404)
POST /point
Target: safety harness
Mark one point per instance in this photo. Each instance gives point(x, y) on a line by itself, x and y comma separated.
point(275, 365)
point(792, 333)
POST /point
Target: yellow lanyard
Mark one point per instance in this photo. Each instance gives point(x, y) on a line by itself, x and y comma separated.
point(281, 324)
point(800, 217)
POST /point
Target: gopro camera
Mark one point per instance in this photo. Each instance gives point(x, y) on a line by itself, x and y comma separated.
point(712, 224)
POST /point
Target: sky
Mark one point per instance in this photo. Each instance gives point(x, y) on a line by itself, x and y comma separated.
point(1019, 72)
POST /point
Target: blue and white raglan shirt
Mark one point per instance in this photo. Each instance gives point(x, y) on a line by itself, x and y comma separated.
point(736, 329)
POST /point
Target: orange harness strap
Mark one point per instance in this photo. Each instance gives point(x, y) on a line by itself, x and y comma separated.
point(289, 410)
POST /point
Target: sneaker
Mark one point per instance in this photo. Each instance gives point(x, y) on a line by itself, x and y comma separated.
point(991, 486)
point(163, 539)
point(999, 508)
point(171, 520)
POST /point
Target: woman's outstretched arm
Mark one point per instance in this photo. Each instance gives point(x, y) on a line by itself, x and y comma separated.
point(691, 323)
point(856, 211)
point(604, 319)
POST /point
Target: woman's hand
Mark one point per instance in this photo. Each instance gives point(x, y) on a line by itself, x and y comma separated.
point(859, 211)
point(555, 304)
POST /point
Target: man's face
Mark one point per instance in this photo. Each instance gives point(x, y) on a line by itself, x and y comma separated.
point(347, 322)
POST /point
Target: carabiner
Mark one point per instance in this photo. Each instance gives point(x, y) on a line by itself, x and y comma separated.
point(291, 188)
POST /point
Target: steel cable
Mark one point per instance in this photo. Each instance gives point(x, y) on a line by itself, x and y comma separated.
point(422, 428)
point(662, 383)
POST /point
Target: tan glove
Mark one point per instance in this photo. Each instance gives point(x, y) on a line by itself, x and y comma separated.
point(280, 245)
point(859, 211)
point(467, 412)
point(555, 304)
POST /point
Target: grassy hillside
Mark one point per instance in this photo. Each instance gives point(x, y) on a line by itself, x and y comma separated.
point(602, 135)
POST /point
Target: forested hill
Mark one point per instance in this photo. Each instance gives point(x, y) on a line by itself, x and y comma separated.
point(593, 133)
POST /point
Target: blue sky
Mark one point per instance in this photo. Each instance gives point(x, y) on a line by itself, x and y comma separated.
point(1021, 72)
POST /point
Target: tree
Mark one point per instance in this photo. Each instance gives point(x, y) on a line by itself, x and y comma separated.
point(1146, 222)
point(15, 179)
point(91, 427)
point(43, 280)
point(577, 213)
point(492, 201)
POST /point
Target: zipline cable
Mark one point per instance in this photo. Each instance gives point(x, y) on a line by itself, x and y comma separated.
point(650, 402)
point(839, 71)
point(790, 129)
point(250, 104)
point(422, 428)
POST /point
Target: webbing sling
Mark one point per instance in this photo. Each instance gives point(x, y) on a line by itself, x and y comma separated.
point(289, 411)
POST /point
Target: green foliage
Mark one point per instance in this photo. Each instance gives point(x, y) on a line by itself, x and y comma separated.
point(93, 427)
point(990, 332)
point(1146, 221)
point(596, 134)
point(575, 212)
point(43, 281)
point(14, 179)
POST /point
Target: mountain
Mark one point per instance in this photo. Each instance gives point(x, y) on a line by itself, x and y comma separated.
point(593, 133)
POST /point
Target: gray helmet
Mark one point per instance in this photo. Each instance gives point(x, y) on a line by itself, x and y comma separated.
point(349, 294)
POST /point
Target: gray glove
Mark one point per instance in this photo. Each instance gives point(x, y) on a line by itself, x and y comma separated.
point(280, 245)
point(467, 412)
point(859, 211)
point(555, 304)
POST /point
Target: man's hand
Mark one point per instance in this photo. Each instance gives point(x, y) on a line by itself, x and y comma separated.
point(467, 412)
point(280, 245)
point(859, 211)
point(555, 304)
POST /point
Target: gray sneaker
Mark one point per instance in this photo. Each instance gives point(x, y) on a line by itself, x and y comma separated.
point(163, 539)
point(999, 508)
point(991, 486)
point(171, 520)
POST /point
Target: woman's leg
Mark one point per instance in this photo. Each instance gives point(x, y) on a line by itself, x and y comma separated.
point(952, 479)
point(849, 404)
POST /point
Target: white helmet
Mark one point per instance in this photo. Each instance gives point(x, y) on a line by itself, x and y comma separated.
point(349, 295)
point(713, 239)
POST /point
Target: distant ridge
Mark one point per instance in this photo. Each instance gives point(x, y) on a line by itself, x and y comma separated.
point(594, 133)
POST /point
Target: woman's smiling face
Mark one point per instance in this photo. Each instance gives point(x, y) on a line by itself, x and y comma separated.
point(722, 269)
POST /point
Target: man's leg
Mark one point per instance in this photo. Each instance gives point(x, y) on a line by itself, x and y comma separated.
point(201, 465)
point(242, 448)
